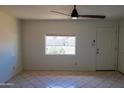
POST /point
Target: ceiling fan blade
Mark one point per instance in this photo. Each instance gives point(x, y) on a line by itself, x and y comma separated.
point(60, 13)
point(93, 16)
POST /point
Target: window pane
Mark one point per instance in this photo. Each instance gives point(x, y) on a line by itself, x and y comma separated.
point(60, 45)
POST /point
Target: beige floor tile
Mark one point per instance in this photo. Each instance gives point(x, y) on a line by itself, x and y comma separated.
point(67, 79)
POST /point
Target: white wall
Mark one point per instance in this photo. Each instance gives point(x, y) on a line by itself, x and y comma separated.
point(10, 62)
point(121, 47)
point(33, 34)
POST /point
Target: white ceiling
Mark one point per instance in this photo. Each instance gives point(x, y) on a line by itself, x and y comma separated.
point(43, 11)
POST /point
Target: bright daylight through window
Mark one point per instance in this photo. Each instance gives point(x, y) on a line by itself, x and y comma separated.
point(60, 45)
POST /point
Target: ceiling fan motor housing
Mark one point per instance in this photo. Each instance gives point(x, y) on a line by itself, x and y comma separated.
point(74, 13)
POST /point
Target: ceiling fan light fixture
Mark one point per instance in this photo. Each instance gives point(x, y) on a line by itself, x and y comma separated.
point(74, 18)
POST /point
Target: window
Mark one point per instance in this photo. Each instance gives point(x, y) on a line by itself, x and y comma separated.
point(60, 45)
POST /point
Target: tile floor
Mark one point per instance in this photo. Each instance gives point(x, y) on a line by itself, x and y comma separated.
point(67, 79)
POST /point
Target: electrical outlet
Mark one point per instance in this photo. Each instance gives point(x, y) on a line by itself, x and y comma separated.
point(75, 63)
point(13, 67)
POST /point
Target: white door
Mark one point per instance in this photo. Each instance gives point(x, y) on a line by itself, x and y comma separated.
point(106, 49)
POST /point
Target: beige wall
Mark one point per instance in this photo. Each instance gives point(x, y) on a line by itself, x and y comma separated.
point(10, 61)
point(121, 47)
point(33, 35)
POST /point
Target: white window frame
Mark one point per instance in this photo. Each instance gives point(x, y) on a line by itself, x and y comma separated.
point(63, 36)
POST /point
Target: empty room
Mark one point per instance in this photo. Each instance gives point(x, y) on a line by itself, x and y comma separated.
point(61, 46)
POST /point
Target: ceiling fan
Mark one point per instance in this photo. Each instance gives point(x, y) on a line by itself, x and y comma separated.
point(75, 15)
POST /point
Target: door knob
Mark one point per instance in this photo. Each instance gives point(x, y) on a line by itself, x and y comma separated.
point(97, 51)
